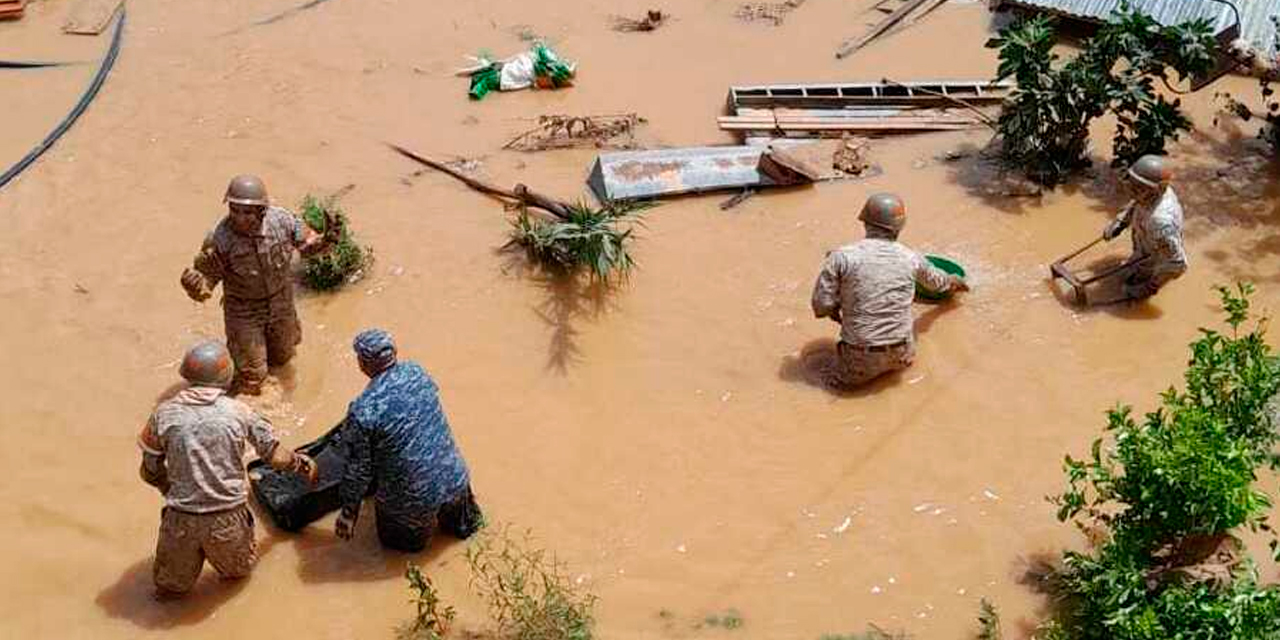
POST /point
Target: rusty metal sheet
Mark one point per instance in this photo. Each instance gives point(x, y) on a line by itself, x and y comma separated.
point(637, 175)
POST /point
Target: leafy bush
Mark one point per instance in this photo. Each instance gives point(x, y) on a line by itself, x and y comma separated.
point(529, 595)
point(1044, 124)
point(594, 239)
point(1164, 500)
point(344, 262)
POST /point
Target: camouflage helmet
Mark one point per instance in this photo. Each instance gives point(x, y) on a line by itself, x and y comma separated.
point(884, 210)
point(1151, 171)
point(246, 189)
point(208, 364)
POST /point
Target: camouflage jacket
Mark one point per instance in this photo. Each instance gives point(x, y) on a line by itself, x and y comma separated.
point(872, 283)
point(199, 436)
point(251, 267)
point(401, 443)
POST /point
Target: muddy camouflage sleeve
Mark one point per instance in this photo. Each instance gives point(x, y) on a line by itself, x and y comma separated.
point(209, 263)
point(826, 291)
point(359, 472)
point(931, 277)
point(1168, 255)
point(258, 431)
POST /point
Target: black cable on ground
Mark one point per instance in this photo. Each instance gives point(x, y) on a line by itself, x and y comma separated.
point(11, 64)
point(108, 61)
point(310, 4)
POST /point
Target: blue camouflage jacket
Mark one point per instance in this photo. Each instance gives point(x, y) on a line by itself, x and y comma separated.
point(400, 442)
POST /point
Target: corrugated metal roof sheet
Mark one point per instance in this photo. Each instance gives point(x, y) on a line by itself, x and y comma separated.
point(1255, 15)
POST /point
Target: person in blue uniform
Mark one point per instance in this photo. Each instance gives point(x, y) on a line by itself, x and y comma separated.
point(401, 448)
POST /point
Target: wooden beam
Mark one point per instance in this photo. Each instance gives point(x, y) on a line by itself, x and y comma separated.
point(848, 47)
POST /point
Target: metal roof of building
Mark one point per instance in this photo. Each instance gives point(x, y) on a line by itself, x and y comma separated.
point(1255, 15)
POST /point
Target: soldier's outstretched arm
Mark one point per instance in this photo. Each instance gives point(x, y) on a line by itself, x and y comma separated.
point(279, 457)
point(205, 272)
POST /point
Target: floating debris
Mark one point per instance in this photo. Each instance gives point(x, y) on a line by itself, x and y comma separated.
point(560, 131)
point(653, 19)
point(774, 12)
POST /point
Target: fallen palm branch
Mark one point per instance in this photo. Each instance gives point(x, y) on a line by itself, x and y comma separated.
point(568, 237)
point(613, 131)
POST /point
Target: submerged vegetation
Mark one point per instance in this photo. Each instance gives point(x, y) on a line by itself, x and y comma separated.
point(1044, 124)
point(1166, 498)
point(431, 621)
point(528, 593)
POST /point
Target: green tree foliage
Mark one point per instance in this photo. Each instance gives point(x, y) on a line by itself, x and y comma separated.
point(1044, 124)
point(1183, 477)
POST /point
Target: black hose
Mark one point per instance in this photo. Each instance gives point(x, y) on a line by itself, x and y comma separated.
point(108, 61)
point(11, 64)
point(310, 4)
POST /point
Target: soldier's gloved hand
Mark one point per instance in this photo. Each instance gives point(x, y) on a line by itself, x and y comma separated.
point(193, 284)
point(332, 229)
point(305, 466)
point(1113, 229)
point(345, 527)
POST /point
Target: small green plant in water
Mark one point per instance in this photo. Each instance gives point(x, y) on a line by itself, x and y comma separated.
point(431, 621)
point(730, 619)
point(343, 262)
point(988, 621)
point(594, 239)
point(529, 595)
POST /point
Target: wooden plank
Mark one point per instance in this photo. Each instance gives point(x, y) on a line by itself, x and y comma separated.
point(848, 126)
point(851, 45)
point(90, 17)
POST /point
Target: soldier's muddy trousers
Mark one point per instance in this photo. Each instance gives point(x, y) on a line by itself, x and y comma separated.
point(260, 333)
point(224, 538)
point(858, 365)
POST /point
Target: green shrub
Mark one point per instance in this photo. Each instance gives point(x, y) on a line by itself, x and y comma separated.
point(529, 595)
point(1044, 124)
point(1166, 497)
point(342, 263)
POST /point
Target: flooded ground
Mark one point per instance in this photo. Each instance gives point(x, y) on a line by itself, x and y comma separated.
point(664, 440)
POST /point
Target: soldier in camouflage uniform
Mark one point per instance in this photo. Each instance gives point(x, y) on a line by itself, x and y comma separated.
point(251, 252)
point(1155, 217)
point(193, 453)
point(868, 287)
point(401, 445)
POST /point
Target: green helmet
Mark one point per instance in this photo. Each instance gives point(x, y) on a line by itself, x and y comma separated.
point(884, 210)
point(208, 364)
point(1151, 171)
point(246, 189)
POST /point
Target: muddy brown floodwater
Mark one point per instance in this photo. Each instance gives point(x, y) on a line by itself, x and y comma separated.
point(663, 440)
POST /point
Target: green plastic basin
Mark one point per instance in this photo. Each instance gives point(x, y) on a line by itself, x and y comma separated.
point(947, 266)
